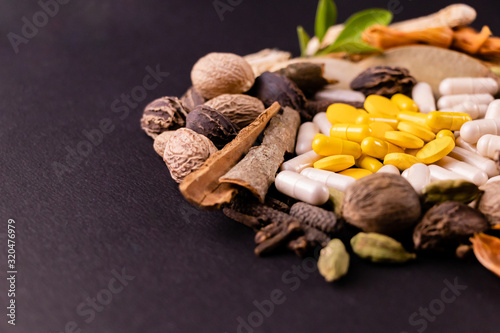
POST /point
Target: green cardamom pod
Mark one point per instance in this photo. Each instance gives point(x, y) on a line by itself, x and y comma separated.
point(379, 248)
point(451, 190)
point(333, 261)
point(336, 198)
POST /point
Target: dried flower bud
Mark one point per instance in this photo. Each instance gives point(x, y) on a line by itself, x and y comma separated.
point(240, 109)
point(447, 225)
point(333, 262)
point(212, 124)
point(165, 113)
point(489, 203)
point(384, 80)
point(380, 248)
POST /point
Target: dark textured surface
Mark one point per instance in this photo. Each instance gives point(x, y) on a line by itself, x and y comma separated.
point(118, 207)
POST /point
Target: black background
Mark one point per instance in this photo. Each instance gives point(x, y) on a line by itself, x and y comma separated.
point(118, 207)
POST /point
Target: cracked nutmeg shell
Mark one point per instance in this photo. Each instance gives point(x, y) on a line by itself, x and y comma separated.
point(240, 109)
point(382, 202)
point(384, 80)
point(212, 124)
point(162, 114)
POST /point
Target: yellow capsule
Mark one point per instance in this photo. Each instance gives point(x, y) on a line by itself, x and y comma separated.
point(356, 173)
point(414, 117)
point(378, 148)
point(404, 102)
point(419, 131)
point(400, 160)
point(335, 163)
point(380, 105)
point(436, 150)
point(442, 133)
point(350, 132)
point(378, 129)
point(404, 140)
point(367, 119)
point(342, 113)
point(327, 146)
point(438, 120)
point(369, 163)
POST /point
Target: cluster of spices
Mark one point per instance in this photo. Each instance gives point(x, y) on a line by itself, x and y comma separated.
point(279, 148)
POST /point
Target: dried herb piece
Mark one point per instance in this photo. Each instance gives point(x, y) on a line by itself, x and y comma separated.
point(446, 226)
point(316, 217)
point(212, 124)
point(240, 109)
point(384, 80)
point(489, 203)
point(386, 37)
point(381, 202)
point(451, 190)
point(487, 251)
point(191, 99)
point(333, 262)
point(266, 59)
point(307, 76)
point(380, 248)
point(307, 243)
point(162, 114)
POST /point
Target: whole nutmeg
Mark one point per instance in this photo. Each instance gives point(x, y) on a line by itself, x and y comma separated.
point(191, 99)
point(447, 225)
point(240, 109)
point(382, 202)
point(384, 80)
point(212, 124)
point(221, 73)
point(165, 113)
point(185, 152)
point(161, 141)
point(489, 203)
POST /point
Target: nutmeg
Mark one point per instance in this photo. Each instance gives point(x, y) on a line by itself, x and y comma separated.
point(161, 141)
point(240, 109)
point(185, 152)
point(489, 203)
point(212, 124)
point(382, 202)
point(221, 73)
point(191, 99)
point(162, 114)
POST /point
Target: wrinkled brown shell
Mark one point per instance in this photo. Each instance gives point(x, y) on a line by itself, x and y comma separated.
point(221, 73)
point(307, 76)
point(240, 109)
point(490, 202)
point(382, 202)
point(384, 80)
point(447, 225)
point(165, 113)
point(185, 152)
point(161, 142)
point(212, 124)
point(191, 99)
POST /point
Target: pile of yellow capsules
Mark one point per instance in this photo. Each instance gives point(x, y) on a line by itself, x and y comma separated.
point(391, 135)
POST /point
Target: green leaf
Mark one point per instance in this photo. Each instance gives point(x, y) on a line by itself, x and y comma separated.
point(349, 47)
point(359, 22)
point(326, 16)
point(303, 40)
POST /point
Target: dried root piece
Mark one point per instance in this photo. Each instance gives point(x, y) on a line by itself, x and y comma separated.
point(384, 80)
point(490, 49)
point(468, 40)
point(264, 60)
point(385, 38)
point(312, 238)
point(275, 235)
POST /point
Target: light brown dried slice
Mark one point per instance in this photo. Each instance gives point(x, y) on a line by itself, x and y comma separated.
point(487, 251)
point(202, 187)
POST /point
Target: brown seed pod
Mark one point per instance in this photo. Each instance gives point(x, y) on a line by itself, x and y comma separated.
point(212, 124)
point(185, 152)
point(382, 202)
point(240, 109)
point(162, 114)
point(447, 225)
point(221, 73)
point(489, 203)
point(384, 80)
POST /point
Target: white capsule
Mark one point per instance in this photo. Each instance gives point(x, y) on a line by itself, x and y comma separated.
point(301, 188)
point(449, 101)
point(467, 171)
point(299, 163)
point(424, 98)
point(468, 85)
point(340, 96)
point(488, 145)
point(328, 178)
point(471, 131)
point(305, 137)
point(475, 111)
point(494, 179)
point(389, 169)
point(480, 162)
point(418, 175)
point(323, 123)
point(493, 111)
point(440, 173)
point(460, 142)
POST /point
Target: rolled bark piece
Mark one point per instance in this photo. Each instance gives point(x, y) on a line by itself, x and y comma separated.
point(256, 171)
point(202, 187)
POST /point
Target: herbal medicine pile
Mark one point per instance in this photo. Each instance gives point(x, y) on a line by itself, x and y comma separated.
point(278, 147)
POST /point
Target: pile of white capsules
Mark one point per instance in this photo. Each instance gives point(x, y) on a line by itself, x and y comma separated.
point(400, 135)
